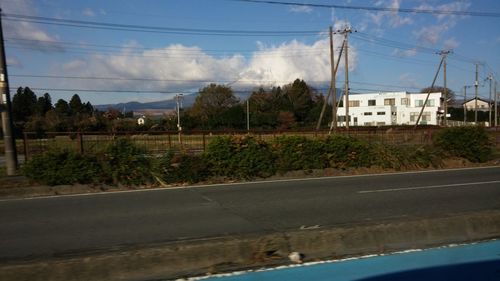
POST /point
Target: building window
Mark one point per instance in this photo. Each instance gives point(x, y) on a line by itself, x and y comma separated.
point(426, 116)
point(405, 101)
point(372, 102)
point(342, 118)
point(381, 113)
point(367, 113)
point(380, 123)
point(354, 103)
point(414, 116)
point(389, 101)
point(419, 103)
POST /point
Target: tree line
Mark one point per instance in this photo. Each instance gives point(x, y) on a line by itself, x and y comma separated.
point(292, 106)
point(216, 107)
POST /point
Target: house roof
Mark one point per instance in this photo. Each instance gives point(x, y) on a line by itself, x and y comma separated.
point(479, 99)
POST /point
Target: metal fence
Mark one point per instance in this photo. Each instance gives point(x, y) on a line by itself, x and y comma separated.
point(197, 141)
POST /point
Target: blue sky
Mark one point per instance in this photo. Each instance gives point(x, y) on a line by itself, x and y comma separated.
point(389, 52)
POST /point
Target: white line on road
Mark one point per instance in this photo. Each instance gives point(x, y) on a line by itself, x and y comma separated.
point(469, 184)
point(245, 183)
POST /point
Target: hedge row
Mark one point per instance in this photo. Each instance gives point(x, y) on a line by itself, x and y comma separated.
point(236, 157)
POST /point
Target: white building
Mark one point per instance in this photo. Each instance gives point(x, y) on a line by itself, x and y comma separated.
point(394, 108)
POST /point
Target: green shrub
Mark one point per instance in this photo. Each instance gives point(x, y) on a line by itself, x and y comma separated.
point(240, 157)
point(58, 167)
point(472, 143)
point(125, 163)
point(342, 152)
point(298, 153)
point(173, 168)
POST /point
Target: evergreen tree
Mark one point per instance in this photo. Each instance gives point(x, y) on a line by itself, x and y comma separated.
point(23, 105)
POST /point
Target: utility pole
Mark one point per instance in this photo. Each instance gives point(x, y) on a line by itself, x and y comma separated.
point(332, 67)
point(465, 100)
point(465, 107)
point(476, 84)
point(429, 93)
point(444, 54)
point(334, 83)
point(248, 115)
point(333, 86)
point(490, 77)
point(346, 32)
point(6, 109)
point(178, 99)
point(496, 104)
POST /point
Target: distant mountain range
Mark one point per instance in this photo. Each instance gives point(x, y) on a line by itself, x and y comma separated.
point(170, 104)
point(187, 101)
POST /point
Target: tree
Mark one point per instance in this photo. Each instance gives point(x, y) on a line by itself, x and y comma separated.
point(438, 89)
point(211, 101)
point(23, 105)
point(76, 105)
point(62, 108)
point(43, 104)
point(300, 96)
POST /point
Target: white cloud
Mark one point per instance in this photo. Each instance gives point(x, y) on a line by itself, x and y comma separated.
point(450, 44)
point(460, 5)
point(301, 9)
point(183, 68)
point(392, 19)
point(88, 12)
point(430, 34)
point(405, 53)
point(27, 30)
point(434, 33)
point(13, 62)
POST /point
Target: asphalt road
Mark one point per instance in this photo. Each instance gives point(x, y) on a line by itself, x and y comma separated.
point(45, 227)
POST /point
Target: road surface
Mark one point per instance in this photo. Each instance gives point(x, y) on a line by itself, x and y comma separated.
point(47, 227)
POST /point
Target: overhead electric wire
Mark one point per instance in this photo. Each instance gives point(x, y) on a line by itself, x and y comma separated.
point(391, 43)
point(379, 9)
point(149, 79)
point(165, 55)
point(156, 29)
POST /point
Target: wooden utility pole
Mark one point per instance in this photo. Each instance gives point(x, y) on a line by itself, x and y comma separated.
point(490, 77)
point(444, 55)
point(465, 107)
point(178, 99)
point(333, 85)
point(6, 109)
point(429, 93)
point(346, 32)
point(476, 84)
point(496, 104)
point(332, 69)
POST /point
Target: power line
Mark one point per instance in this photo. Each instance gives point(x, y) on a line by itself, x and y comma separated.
point(155, 29)
point(166, 55)
point(379, 9)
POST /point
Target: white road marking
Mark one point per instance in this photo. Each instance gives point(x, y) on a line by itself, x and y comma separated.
point(469, 184)
point(243, 183)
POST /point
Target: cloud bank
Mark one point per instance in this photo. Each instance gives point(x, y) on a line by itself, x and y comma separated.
point(180, 68)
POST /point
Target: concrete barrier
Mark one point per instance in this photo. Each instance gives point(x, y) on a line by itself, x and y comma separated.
point(205, 256)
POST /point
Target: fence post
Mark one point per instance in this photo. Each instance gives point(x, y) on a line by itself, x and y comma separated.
point(79, 142)
point(204, 142)
point(169, 142)
point(25, 146)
